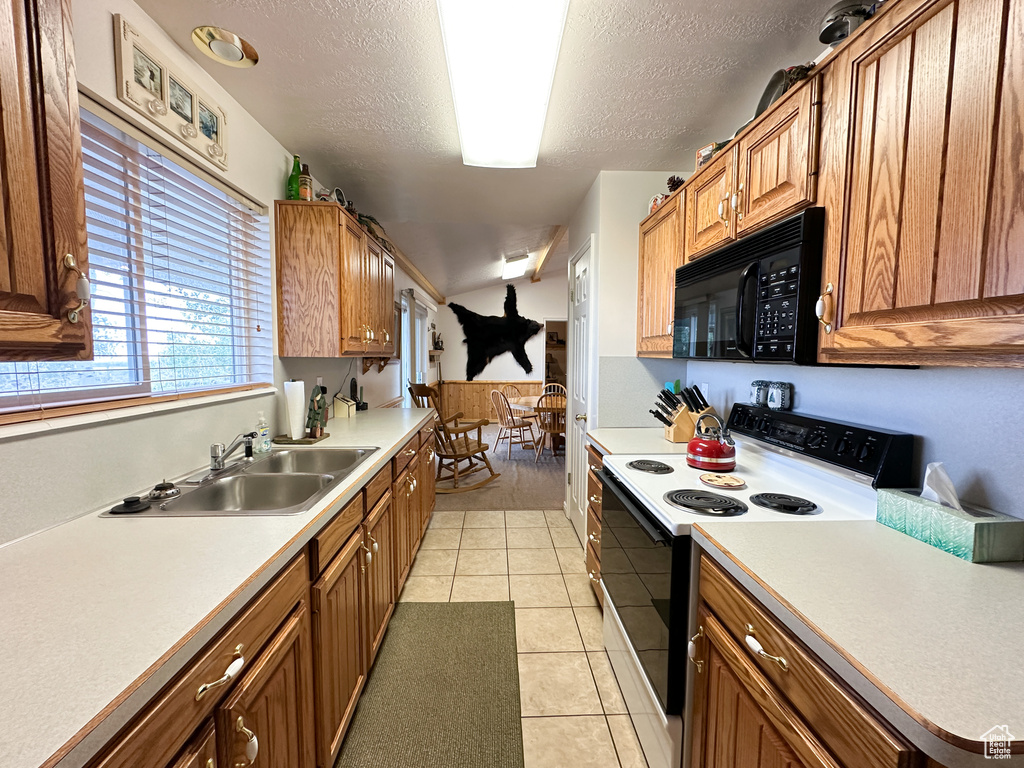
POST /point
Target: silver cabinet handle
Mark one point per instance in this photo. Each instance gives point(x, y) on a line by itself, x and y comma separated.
point(594, 468)
point(758, 649)
point(823, 308)
point(386, 335)
point(691, 650)
point(593, 578)
point(252, 745)
point(375, 545)
point(229, 674)
point(594, 539)
point(595, 499)
point(369, 554)
point(410, 452)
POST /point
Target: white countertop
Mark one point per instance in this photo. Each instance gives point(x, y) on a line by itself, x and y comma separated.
point(90, 609)
point(645, 440)
point(931, 641)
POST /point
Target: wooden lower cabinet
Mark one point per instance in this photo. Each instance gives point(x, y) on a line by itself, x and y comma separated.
point(425, 488)
point(380, 577)
point(404, 527)
point(743, 720)
point(267, 721)
point(340, 659)
point(202, 752)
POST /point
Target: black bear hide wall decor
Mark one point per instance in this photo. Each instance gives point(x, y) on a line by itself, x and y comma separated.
point(489, 336)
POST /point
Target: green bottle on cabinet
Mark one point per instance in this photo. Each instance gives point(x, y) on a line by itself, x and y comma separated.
point(293, 179)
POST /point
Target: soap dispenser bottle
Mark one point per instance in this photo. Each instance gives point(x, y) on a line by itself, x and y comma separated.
point(262, 442)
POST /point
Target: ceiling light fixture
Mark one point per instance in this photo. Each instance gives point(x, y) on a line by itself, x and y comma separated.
point(225, 47)
point(514, 266)
point(501, 63)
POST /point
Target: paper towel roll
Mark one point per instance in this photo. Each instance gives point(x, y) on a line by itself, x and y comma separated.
point(295, 400)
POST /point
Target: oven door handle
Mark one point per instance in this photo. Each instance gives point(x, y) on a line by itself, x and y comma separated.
point(744, 343)
point(634, 511)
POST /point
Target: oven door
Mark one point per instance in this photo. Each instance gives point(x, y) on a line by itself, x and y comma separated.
point(646, 572)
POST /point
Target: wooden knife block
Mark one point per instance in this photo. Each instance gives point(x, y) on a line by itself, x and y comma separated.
point(684, 424)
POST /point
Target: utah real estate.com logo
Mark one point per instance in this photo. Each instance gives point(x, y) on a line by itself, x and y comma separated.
point(997, 743)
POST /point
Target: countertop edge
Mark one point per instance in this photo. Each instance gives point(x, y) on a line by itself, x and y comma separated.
point(97, 733)
point(948, 748)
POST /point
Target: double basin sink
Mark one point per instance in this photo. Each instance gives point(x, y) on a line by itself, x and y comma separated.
point(286, 482)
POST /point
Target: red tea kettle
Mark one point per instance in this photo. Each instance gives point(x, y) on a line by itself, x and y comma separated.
point(711, 447)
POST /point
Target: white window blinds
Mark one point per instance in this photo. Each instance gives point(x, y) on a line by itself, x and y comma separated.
point(180, 275)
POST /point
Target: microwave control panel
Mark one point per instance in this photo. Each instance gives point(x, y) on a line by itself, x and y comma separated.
point(777, 288)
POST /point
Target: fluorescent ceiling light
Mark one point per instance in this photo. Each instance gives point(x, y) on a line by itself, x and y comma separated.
point(501, 63)
point(514, 266)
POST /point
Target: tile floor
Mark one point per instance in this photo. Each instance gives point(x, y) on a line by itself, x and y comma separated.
point(573, 713)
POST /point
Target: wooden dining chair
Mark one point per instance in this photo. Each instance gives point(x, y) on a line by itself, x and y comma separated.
point(511, 428)
point(550, 422)
point(554, 388)
point(511, 391)
point(455, 444)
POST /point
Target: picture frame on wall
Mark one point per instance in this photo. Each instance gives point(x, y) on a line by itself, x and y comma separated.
point(148, 82)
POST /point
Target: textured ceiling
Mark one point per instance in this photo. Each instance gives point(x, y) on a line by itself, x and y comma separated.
point(359, 88)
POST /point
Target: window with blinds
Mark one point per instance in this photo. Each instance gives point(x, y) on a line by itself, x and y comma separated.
point(180, 274)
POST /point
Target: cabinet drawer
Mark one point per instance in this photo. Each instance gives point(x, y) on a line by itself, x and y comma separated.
point(594, 493)
point(405, 455)
point(595, 461)
point(378, 486)
point(594, 572)
point(594, 532)
point(174, 716)
point(331, 539)
point(851, 732)
point(202, 752)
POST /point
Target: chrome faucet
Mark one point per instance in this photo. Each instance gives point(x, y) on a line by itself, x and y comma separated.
point(218, 453)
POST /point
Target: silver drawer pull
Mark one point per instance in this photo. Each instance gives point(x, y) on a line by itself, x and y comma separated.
point(252, 745)
point(594, 468)
point(593, 578)
point(758, 649)
point(595, 499)
point(410, 452)
point(594, 539)
point(229, 674)
point(691, 650)
point(376, 546)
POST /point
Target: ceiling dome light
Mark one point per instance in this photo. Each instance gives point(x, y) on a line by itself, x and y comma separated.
point(225, 47)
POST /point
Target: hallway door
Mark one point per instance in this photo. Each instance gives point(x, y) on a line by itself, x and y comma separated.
point(580, 384)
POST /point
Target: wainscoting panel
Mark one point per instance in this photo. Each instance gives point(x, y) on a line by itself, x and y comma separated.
point(473, 398)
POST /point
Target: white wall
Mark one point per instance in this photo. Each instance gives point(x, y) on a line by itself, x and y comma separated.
point(536, 301)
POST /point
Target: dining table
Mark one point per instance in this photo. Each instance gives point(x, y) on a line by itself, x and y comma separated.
point(527, 405)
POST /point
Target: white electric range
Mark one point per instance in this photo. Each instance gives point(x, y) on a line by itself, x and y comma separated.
point(793, 466)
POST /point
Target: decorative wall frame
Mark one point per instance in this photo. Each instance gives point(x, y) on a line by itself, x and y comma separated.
point(164, 97)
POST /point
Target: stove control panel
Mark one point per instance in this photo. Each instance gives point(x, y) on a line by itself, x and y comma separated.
point(886, 456)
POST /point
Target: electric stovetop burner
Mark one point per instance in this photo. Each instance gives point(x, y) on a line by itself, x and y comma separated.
point(651, 466)
point(781, 502)
point(704, 503)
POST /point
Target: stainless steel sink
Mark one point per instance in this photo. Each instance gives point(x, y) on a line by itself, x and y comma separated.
point(318, 461)
point(252, 494)
point(286, 482)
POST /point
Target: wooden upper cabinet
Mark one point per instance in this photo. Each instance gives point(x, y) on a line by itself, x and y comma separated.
point(709, 216)
point(41, 186)
point(267, 721)
point(777, 162)
point(929, 269)
point(333, 282)
point(660, 253)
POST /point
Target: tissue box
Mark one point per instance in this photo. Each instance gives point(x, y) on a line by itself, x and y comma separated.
point(976, 534)
point(343, 407)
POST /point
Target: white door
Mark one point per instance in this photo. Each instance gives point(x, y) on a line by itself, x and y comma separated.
point(579, 383)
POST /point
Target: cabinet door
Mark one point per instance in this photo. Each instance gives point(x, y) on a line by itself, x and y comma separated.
point(310, 269)
point(339, 650)
point(778, 161)
point(404, 536)
point(41, 186)
point(739, 718)
point(380, 578)
point(268, 720)
point(202, 752)
point(931, 271)
point(428, 461)
point(709, 214)
point(387, 305)
point(353, 260)
point(370, 287)
point(660, 253)
point(424, 491)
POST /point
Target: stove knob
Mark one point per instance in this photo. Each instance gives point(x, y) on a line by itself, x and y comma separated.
point(763, 423)
point(842, 446)
point(865, 451)
point(815, 440)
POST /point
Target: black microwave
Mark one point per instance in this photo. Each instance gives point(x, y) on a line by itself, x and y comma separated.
point(754, 299)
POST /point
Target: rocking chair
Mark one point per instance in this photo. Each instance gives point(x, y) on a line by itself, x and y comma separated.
point(455, 445)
